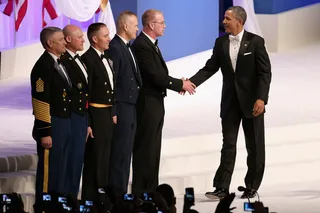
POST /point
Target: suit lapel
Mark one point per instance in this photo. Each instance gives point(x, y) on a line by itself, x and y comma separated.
point(99, 62)
point(244, 45)
point(76, 67)
point(147, 40)
point(127, 51)
point(226, 48)
point(59, 70)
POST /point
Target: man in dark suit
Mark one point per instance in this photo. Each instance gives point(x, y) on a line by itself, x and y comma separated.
point(51, 91)
point(150, 107)
point(128, 84)
point(79, 106)
point(101, 100)
point(246, 71)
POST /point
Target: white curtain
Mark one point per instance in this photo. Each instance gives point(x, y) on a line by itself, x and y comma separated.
point(106, 17)
point(251, 24)
point(80, 10)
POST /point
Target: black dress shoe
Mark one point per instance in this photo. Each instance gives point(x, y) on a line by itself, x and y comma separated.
point(219, 193)
point(249, 194)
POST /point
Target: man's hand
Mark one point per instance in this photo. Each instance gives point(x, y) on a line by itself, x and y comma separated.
point(46, 142)
point(188, 86)
point(258, 207)
point(89, 133)
point(114, 118)
point(258, 107)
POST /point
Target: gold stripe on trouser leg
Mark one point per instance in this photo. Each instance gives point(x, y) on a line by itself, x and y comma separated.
point(45, 171)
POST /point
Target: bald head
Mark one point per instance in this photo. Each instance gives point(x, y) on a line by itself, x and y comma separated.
point(127, 25)
point(74, 38)
point(70, 29)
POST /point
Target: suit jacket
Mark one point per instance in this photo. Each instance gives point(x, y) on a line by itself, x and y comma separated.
point(127, 75)
point(250, 80)
point(100, 90)
point(80, 88)
point(153, 68)
point(50, 92)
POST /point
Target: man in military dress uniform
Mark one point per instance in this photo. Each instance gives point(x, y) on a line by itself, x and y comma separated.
point(50, 89)
point(128, 86)
point(79, 106)
point(101, 100)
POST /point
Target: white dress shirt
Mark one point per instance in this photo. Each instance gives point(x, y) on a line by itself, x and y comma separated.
point(107, 66)
point(83, 69)
point(235, 42)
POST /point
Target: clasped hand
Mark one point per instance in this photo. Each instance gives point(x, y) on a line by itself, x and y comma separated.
point(187, 86)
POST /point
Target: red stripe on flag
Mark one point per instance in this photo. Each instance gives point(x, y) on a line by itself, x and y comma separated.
point(9, 8)
point(50, 9)
point(21, 13)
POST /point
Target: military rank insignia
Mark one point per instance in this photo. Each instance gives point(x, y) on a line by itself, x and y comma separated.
point(79, 86)
point(110, 62)
point(39, 85)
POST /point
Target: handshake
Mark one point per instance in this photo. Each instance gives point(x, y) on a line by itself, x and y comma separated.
point(187, 86)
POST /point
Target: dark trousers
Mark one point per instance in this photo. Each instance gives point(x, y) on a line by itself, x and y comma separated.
point(97, 153)
point(122, 145)
point(147, 145)
point(79, 126)
point(52, 162)
point(255, 145)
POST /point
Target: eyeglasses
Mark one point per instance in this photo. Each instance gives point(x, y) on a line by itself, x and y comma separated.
point(161, 23)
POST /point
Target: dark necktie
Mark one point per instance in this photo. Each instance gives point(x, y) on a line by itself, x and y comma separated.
point(128, 45)
point(102, 56)
point(59, 61)
point(77, 57)
point(156, 45)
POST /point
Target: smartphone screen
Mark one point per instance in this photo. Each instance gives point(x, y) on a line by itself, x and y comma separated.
point(128, 197)
point(62, 199)
point(101, 191)
point(190, 195)
point(46, 197)
point(248, 207)
point(84, 209)
point(89, 203)
point(147, 197)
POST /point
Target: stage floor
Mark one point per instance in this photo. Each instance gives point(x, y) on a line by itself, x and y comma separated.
point(192, 132)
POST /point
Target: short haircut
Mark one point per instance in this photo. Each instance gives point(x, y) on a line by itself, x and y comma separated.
point(93, 29)
point(239, 13)
point(148, 16)
point(122, 17)
point(46, 33)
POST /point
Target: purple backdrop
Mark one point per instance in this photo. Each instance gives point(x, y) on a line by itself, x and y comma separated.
point(30, 26)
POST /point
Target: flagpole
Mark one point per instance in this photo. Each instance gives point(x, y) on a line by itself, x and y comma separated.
point(94, 18)
point(14, 24)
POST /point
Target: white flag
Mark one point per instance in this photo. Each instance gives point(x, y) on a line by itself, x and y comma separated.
point(251, 24)
point(106, 17)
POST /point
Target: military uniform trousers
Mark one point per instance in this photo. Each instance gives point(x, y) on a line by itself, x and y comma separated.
point(52, 162)
point(97, 153)
point(122, 146)
point(75, 150)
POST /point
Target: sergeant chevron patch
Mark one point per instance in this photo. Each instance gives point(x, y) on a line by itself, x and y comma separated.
point(39, 85)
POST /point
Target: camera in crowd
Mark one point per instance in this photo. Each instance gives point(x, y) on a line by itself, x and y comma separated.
point(11, 203)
